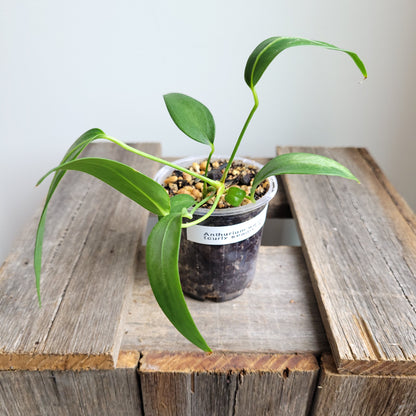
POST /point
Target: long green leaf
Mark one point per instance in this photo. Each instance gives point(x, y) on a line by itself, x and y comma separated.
point(73, 152)
point(128, 181)
point(162, 253)
point(301, 163)
point(267, 50)
point(192, 117)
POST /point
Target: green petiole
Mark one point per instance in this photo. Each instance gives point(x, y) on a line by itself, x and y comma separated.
point(220, 192)
point(240, 137)
point(204, 191)
point(125, 146)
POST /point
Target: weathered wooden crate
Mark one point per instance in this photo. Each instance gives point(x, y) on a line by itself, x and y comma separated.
point(325, 329)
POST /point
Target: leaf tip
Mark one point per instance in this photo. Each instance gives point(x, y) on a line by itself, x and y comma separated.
point(39, 297)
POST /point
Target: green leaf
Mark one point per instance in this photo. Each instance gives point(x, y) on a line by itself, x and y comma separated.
point(73, 152)
point(301, 163)
point(267, 50)
point(128, 181)
point(192, 117)
point(162, 253)
point(180, 201)
point(235, 196)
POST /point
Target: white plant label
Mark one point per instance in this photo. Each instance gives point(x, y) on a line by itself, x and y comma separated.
point(227, 234)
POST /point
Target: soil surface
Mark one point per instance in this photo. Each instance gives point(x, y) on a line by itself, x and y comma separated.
point(239, 175)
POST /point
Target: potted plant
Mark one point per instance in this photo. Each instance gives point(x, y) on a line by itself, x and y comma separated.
point(185, 210)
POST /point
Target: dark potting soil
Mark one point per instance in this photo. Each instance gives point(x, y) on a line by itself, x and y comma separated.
point(219, 272)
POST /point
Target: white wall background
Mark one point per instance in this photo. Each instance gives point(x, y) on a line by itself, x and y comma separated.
point(67, 66)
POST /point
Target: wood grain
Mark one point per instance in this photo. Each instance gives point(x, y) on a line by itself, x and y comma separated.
point(227, 384)
point(369, 395)
point(89, 253)
point(70, 393)
point(278, 313)
point(396, 198)
point(360, 245)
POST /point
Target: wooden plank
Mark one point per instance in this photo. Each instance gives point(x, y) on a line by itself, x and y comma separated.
point(278, 313)
point(89, 254)
point(398, 200)
point(227, 384)
point(360, 245)
point(369, 395)
point(70, 393)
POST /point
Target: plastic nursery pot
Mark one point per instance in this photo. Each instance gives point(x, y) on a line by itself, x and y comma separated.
point(217, 257)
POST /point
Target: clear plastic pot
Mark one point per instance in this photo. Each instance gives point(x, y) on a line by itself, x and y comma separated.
point(218, 257)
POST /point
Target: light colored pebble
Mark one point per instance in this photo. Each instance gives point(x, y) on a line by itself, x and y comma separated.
point(187, 177)
point(186, 190)
point(173, 187)
point(171, 179)
point(221, 204)
point(196, 194)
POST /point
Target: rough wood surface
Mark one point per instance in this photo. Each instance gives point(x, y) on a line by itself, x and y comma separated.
point(91, 240)
point(70, 393)
point(278, 313)
point(369, 395)
point(227, 384)
point(360, 245)
point(397, 199)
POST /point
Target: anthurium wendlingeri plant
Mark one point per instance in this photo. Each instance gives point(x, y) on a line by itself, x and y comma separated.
point(175, 213)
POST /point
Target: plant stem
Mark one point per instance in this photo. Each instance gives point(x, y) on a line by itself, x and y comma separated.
point(204, 191)
point(240, 137)
point(199, 204)
point(208, 214)
point(215, 184)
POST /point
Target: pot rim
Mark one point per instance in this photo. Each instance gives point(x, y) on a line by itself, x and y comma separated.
point(165, 172)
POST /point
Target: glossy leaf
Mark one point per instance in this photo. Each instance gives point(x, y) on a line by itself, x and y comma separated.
point(128, 181)
point(77, 147)
point(267, 50)
point(235, 196)
point(192, 117)
point(162, 253)
point(301, 163)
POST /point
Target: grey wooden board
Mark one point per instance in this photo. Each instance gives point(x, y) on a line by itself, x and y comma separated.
point(70, 393)
point(227, 384)
point(91, 240)
point(360, 245)
point(369, 395)
point(278, 313)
